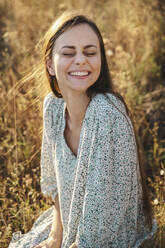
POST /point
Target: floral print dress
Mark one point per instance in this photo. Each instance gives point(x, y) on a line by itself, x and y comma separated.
point(100, 193)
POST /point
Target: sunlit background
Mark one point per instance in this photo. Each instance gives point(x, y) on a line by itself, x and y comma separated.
point(134, 37)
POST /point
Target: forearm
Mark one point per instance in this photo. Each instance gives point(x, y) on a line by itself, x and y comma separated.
point(57, 228)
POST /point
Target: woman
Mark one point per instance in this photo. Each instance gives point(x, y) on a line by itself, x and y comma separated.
point(89, 157)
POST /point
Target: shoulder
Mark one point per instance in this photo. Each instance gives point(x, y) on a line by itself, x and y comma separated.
point(109, 105)
point(52, 114)
point(112, 114)
point(52, 103)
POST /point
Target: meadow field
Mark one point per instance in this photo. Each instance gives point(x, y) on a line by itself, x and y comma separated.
point(134, 37)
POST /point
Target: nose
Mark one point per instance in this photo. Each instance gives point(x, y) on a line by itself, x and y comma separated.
point(80, 59)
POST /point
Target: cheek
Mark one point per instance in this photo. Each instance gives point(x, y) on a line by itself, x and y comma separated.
point(97, 67)
point(96, 63)
point(61, 66)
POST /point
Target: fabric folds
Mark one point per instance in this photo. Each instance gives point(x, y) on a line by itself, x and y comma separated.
point(100, 191)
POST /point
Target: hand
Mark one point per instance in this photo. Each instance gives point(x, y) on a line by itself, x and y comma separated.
point(73, 246)
point(49, 243)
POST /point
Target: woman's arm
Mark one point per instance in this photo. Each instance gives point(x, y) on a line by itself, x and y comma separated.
point(54, 239)
point(48, 176)
point(57, 228)
point(111, 189)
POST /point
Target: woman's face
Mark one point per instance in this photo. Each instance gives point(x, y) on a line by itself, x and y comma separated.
point(76, 59)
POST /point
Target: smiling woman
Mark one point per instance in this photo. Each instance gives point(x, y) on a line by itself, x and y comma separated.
point(89, 158)
point(76, 63)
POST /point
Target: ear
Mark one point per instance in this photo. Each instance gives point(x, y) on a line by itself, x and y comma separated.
point(50, 67)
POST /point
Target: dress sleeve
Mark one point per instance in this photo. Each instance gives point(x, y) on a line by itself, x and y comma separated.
point(110, 202)
point(48, 177)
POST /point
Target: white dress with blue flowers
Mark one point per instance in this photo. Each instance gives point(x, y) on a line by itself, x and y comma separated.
point(100, 193)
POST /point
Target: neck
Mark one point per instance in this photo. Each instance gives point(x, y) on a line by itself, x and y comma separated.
point(76, 108)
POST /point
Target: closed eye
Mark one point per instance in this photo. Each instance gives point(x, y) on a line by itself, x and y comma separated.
point(68, 54)
point(90, 54)
point(85, 53)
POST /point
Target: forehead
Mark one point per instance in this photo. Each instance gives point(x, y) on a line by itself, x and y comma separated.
point(81, 34)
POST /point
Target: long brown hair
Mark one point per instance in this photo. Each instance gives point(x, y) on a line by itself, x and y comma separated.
point(66, 21)
point(102, 85)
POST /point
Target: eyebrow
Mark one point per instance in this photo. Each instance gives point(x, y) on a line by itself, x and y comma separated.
point(73, 47)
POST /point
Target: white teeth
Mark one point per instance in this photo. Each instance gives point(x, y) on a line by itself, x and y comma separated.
point(79, 73)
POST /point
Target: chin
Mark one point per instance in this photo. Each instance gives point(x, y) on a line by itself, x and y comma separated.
point(79, 88)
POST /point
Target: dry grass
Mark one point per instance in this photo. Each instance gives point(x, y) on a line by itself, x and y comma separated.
point(135, 41)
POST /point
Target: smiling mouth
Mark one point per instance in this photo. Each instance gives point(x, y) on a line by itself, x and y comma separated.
point(79, 74)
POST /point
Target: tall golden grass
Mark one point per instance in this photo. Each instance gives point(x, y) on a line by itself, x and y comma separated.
point(134, 38)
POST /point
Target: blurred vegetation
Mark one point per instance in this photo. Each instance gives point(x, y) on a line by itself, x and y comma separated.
point(134, 36)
